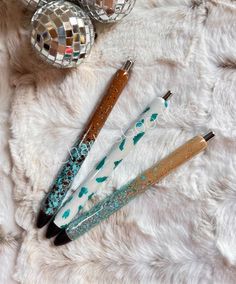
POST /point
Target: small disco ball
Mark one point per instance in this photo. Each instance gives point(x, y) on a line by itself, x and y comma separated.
point(62, 34)
point(34, 4)
point(106, 11)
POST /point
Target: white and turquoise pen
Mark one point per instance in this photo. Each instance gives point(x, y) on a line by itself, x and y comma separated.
point(73, 206)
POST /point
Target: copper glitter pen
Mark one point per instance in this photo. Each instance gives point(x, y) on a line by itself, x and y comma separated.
point(119, 198)
point(81, 148)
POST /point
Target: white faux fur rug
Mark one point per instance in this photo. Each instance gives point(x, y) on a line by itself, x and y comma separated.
point(183, 230)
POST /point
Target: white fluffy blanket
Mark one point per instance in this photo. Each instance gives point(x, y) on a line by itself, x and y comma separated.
point(183, 230)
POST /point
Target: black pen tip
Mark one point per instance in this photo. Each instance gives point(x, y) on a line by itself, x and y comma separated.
point(167, 96)
point(52, 230)
point(42, 219)
point(62, 239)
point(209, 136)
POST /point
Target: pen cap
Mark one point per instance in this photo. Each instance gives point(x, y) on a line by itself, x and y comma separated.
point(128, 65)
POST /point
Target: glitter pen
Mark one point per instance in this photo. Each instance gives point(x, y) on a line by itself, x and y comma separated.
point(82, 146)
point(128, 192)
point(101, 173)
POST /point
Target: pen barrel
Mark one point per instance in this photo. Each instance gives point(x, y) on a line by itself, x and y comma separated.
point(129, 140)
point(125, 194)
point(81, 148)
point(106, 105)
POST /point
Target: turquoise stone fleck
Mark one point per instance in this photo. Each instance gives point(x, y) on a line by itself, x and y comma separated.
point(74, 168)
point(101, 163)
point(101, 179)
point(122, 145)
point(146, 110)
point(138, 137)
point(90, 196)
point(66, 214)
point(140, 123)
point(55, 203)
point(166, 104)
point(80, 208)
point(153, 117)
point(83, 191)
point(116, 163)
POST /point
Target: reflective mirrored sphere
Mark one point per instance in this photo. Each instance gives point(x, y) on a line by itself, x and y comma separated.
point(107, 11)
point(62, 34)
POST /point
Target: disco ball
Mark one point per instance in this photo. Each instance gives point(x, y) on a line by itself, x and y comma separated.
point(34, 4)
point(106, 11)
point(62, 34)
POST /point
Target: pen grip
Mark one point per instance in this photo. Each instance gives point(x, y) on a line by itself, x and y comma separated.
point(122, 196)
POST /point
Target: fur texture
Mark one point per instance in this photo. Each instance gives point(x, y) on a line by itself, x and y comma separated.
point(183, 229)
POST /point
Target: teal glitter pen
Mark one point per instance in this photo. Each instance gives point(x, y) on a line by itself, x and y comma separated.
point(128, 192)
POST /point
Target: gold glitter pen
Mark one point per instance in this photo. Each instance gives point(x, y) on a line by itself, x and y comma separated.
point(126, 193)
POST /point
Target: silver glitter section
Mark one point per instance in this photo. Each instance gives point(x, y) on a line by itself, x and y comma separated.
point(106, 11)
point(62, 34)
